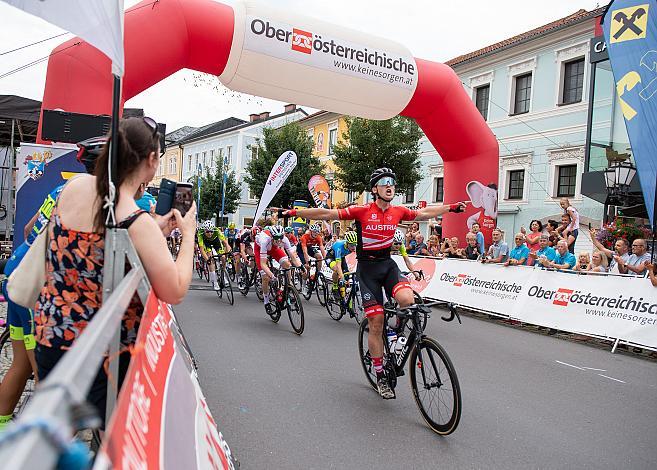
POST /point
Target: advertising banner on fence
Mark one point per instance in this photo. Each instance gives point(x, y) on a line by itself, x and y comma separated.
point(161, 419)
point(277, 176)
point(610, 306)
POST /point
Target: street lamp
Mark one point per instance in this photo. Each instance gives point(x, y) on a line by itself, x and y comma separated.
point(618, 178)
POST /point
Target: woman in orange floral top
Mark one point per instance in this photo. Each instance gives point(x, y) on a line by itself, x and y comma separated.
point(72, 293)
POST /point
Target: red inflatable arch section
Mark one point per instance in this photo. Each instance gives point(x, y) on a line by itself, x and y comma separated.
point(164, 37)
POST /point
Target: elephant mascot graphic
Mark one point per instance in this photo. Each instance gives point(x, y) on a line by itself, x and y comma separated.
point(483, 197)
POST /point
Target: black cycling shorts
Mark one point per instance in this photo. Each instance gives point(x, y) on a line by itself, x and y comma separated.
point(312, 251)
point(375, 275)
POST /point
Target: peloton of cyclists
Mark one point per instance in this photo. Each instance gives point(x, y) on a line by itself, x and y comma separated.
point(375, 226)
point(272, 242)
point(209, 237)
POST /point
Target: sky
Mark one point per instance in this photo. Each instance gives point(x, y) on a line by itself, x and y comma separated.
point(431, 29)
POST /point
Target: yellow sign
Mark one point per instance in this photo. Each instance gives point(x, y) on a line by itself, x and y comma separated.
point(629, 23)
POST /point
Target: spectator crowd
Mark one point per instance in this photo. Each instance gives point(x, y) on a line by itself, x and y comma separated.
point(549, 246)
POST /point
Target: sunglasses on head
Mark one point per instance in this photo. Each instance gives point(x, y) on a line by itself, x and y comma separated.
point(386, 181)
point(150, 122)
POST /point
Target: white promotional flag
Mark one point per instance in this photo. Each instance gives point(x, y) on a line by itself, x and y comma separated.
point(98, 22)
point(279, 173)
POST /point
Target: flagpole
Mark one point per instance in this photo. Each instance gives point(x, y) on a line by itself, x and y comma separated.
point(114, 150)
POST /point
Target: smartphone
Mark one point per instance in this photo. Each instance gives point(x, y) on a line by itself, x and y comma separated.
point(165, 196)
point(183, 198)
point(590, 226)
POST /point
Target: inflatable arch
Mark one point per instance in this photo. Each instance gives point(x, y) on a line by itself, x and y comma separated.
point(285, 56)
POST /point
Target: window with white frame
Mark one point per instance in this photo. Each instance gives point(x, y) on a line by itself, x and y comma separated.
point(205, 163)
point(333, 138)
point(251, 195)
point(253, 153)
point(160, 167)
point(573, 81)
point(196, 162)
point(522, 86)
point(438, 189)
point(409, 197)
point(566, 166)
point(482, 94)
point(172, 165)
point(189, 162)
point(516, 184)
point(229, 155)
point(513, 183)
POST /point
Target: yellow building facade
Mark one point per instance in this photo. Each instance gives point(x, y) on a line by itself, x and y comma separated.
point(170, 166)
point(326, 129)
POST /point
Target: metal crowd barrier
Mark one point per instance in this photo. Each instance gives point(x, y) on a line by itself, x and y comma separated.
point(68, 383)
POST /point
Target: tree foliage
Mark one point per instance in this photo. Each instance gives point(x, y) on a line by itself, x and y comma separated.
point(211, 191)
point(368, 145)
point(274, 143)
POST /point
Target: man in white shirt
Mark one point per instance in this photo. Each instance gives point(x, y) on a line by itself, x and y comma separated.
point(638, 260)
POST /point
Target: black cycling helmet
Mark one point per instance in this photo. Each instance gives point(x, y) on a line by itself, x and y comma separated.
point(380, 173)
point(89, 151)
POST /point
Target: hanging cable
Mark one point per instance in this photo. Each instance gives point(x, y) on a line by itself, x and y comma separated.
point(34, 43)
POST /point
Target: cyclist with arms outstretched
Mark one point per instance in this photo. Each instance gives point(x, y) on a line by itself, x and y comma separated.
point(375, 225)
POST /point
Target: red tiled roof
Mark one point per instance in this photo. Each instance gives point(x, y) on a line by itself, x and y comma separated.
point(577, 17)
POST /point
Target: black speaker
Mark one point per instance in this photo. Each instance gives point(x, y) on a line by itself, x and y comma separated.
point(60, 126)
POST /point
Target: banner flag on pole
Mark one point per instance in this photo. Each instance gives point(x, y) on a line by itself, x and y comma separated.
point(320, 191)
point(98, 22)
point(630, 30)
point(279, 173)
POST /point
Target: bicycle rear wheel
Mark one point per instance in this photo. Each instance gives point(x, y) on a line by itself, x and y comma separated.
point(295, 311)
point(297, 279)
point(307, 288)
point(364, 353)
point(435, 386)
point(357, 307)
point(230, 267)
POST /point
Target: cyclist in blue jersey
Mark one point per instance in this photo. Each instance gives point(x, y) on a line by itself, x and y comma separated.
point(336, 258)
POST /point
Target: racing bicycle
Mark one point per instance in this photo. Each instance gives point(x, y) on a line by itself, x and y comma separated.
point(284, 296)
point(223, 279)
point(247, 275)
point(347, 301)
point(315, 282)
point(432, 375)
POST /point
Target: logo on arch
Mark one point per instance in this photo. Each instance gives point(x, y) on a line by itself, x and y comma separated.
point(302, 41)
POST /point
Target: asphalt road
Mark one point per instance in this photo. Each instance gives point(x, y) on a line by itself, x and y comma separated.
point(529, 400)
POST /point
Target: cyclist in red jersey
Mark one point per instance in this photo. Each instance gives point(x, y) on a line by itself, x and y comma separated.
point(375, 225)
point(308, 242)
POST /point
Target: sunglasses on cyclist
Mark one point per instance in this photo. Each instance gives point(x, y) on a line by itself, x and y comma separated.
point(386, 181)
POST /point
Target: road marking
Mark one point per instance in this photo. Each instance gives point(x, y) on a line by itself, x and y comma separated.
point(611, 378)
point(570, 365)
point(597, 370)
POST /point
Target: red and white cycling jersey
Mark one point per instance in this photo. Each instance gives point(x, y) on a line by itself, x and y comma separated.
point(375, 228)
point(264, 241)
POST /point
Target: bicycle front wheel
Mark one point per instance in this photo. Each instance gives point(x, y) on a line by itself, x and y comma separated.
point(228, 287)
point(295, 311)
point(320, 289)
point(435, 386)
point(258, 286)
point(364, 353)
point(333, 306)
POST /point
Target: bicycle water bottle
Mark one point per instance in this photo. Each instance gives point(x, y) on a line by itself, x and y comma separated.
point(400, 344)
point(392, 339)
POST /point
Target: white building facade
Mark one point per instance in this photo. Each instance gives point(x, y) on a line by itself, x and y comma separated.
point(233, 144)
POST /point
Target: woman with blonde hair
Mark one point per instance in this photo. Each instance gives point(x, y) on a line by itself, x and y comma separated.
point(434, 246)
point(598, 262)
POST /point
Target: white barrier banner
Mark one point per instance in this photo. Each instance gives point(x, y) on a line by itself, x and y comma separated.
point(609, 306)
